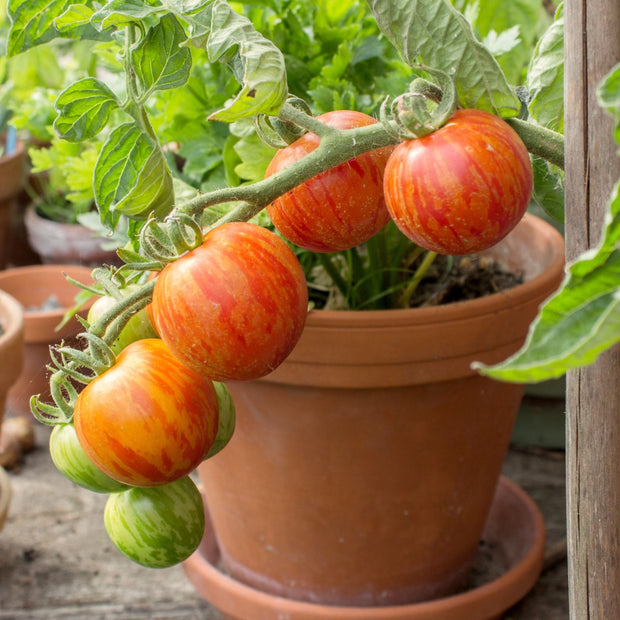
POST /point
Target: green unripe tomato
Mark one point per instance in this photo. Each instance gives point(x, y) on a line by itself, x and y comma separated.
point(158, 526)
point(138, 327)
point(226, 421)
point(71, 460)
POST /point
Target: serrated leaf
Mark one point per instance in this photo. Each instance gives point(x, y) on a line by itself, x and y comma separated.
point(131, 176)
point(608, 94)
point(32, 23)
point(84, 109)
point(582, 319)
point(257, 63)
point(545, 77)
point(434, 33)
point(577, 323)
point(121, 13)
point(504, 42)
point(548, 189)
point(185, 7)
point(75, 23)
point(159, 61)
point(501, 16)
point(75, 15)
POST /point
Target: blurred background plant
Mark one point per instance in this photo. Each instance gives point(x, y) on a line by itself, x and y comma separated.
point(336, 59)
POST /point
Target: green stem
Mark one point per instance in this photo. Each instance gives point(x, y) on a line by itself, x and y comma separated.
point(405, 298)
point(341, 284)
point(335, 148)
point(291, 114)
point(540, 141)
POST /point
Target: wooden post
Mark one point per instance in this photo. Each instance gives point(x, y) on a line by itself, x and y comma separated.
point(592, 48)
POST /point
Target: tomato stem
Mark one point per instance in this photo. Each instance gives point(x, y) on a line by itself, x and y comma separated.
point(540, 141)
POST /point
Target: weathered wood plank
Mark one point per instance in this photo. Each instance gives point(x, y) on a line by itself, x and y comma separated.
point(592, 47)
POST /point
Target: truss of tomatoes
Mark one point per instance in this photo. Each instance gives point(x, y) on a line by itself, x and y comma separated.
point(233, 309)
point(458, 190)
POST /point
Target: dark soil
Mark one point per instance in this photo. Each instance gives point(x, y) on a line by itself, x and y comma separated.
point(451, 279)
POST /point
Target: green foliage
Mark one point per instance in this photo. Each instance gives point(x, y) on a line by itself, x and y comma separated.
point(514, 25)
point(184, 81)
point(131, 176)
point(545, 77)
point(65, 173)
point(583, 318)
point(435, 34)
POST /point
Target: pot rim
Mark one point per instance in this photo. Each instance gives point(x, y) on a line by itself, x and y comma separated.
point(15, 311)
point(53, 268)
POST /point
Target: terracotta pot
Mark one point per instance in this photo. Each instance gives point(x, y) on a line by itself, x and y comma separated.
point(12, 174)
point(507, 565)
point(11, 345)
point(362, 470)
point(58, 243)
point(32, 286)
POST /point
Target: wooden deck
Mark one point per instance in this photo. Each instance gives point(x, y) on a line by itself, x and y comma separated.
point(57, 562)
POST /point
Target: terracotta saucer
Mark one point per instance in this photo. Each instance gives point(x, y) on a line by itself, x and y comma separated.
point(511, 552)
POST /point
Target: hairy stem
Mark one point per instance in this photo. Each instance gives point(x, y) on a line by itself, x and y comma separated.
point(540, 141)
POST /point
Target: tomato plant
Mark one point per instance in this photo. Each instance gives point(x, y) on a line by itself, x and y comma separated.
point(227, 419)
point(156, 527)
point(234, 307)
point(138, 327)
point(339, 208)
point(462, 188)
point(72, 461)
point(149, 419)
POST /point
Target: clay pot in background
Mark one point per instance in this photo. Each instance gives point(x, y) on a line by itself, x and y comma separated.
point(32, 286)
point(362, 470)
point(11, 345)
point(12, 175)
point(11, 360)
point(58, 243)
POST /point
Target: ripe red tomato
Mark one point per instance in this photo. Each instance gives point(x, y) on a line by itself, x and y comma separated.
point(149, 419)
point(462, 188)
point(233, 308)
point(339, 208)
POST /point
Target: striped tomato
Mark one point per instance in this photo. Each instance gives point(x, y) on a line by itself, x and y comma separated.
point(339, 208)
point(149, 419)
point(71, 461)
point(156, 527)
point(462, 188)
point(234, 307)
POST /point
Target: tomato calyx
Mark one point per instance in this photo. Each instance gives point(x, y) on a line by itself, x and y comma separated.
point(70, 365)
point(425, 108)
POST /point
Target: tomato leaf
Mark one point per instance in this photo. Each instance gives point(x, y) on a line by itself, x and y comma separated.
point(582, 319)
point(159, 60)
point(434, 33)
point(545, 77)
point(121, 13)
point(131, 176)
point(84, 109)
point(75, 23)
point(578, 322)
point(548, 189)
point(497, 22)
point(258, 65)
point(32, 23)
